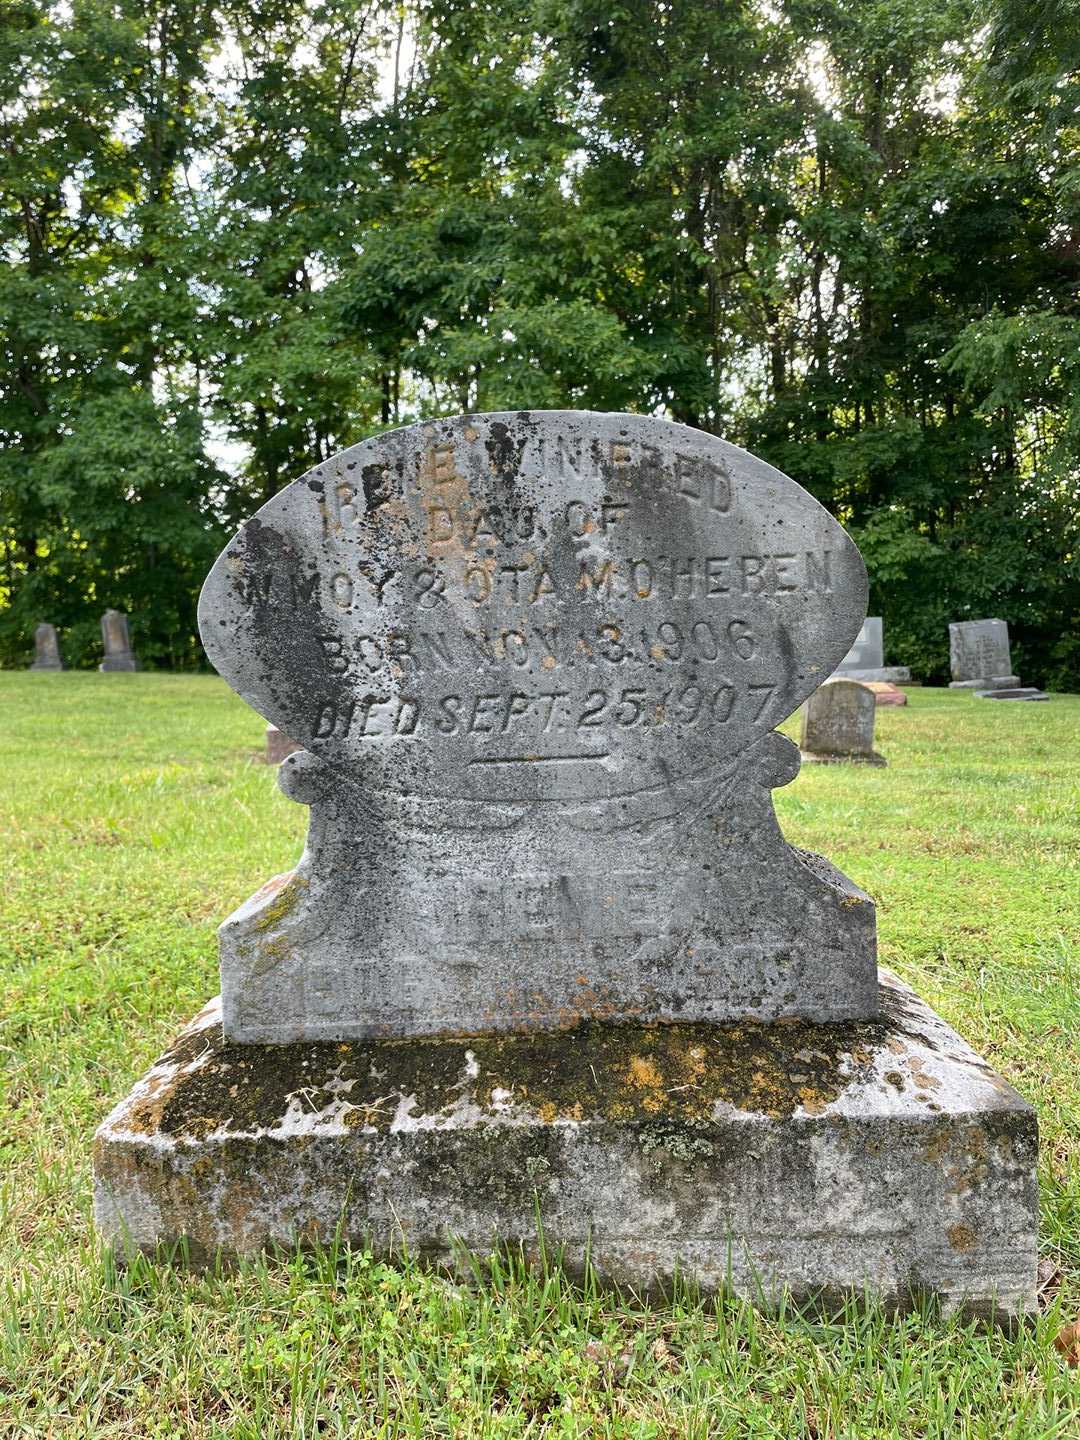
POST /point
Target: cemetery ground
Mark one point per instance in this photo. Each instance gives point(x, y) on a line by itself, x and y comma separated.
point(136, 816)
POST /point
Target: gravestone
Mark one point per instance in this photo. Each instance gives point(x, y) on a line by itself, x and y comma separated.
point(515, 666)
point(838, 725)
point(46, 649)
point(980, 660)
point(547, 952)
point(278, 745)
point(866, 658)
point(884, 693)
point(114, 635)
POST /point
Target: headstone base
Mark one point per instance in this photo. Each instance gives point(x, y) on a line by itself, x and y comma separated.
point(891, 674)
point(877, 1157)
point(856, 758)
point(120, 662)
point(46, 665)
point(1020, 692)
point(988, 682)
point(884, 693)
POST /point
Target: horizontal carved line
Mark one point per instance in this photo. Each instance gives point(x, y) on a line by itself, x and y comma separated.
point(536, 759)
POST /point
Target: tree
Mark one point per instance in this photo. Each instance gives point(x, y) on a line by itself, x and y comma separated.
point(840, 232)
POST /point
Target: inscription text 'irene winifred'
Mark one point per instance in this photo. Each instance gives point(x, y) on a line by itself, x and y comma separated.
point(529, 644)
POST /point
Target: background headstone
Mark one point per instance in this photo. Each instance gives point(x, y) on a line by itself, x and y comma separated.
point(884, 693)
point(979, 656)
point(114, 635)
point(534, 662)
point(838, 725)
point(866, 658)
point(46, 649)
point(980, 660)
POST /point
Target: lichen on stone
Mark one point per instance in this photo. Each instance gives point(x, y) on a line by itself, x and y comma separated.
point(594, 1072)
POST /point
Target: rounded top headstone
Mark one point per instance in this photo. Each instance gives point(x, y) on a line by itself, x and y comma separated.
point(537, 606)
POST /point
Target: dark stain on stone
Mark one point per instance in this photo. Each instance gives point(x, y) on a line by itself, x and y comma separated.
point(379, 485)
point(504, 449)
point(286, 616)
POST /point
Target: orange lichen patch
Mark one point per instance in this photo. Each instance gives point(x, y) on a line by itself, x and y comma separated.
point(962, 1238)
point(937, 1148)
point(647, 1080)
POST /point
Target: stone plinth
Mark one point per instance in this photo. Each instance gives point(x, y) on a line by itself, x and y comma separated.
point(887, 674)
point(1020, 692)
point(883, 1157)
point(986, 683)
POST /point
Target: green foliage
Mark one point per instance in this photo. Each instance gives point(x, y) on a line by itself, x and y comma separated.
point(239, 236)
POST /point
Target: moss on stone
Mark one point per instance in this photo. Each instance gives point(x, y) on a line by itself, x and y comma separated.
point(595, 1071)
point(291, 887)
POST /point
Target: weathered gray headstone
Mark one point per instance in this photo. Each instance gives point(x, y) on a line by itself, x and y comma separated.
point(114, 635)
point(838, 725)
point(535, 662)
point(980, 661)
point(46, 649)
point(278, 745)
point(979, 655)
point(866, 658)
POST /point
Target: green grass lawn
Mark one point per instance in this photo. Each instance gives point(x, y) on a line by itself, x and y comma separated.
point(135, 818)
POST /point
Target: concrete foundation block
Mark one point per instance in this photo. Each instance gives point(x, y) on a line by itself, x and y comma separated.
point(881, 1157)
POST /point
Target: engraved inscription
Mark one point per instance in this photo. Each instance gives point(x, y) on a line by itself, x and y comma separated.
point(535, 907)
point(533, 661)
point(536, 606)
